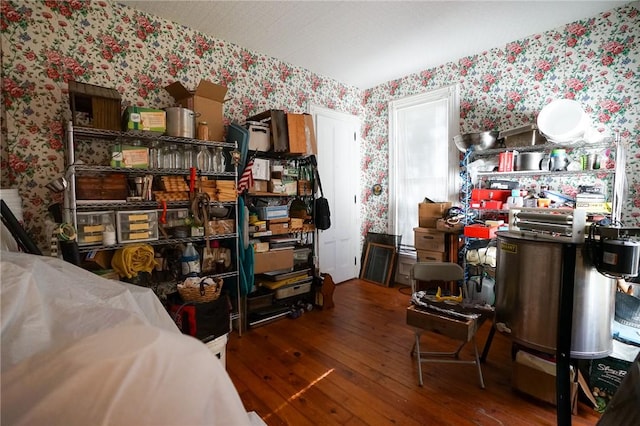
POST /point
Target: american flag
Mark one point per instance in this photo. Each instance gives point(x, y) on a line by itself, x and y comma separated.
point(246, 180)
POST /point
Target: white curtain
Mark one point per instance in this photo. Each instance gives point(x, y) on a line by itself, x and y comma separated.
point(423, 161)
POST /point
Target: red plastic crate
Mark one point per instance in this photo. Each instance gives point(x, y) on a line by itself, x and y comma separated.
point(478, 230)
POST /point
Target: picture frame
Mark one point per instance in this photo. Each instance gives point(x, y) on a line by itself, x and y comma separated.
point(378, 263)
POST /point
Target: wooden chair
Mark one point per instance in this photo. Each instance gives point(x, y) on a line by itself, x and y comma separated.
point(438, 318)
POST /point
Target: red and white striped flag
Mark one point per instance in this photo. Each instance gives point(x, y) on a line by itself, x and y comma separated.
point(246, 180)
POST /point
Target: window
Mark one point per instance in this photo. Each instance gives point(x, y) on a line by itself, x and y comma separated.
point(423, 160)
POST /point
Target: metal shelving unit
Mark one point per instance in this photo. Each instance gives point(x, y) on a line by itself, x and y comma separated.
point(72, 205)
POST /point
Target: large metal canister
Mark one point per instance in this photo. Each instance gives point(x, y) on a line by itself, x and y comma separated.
point(528, 278)
point(181, 122)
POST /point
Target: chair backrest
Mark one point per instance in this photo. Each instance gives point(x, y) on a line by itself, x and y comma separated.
point(435, 271)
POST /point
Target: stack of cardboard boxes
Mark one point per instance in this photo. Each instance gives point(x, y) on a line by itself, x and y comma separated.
point(430, 243)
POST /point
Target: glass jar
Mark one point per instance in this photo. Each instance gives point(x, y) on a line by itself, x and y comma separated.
point(189, 157)
point(204, 159)
point(171, 157)
point(212, 160)
point(155, 155)
point(219, 160)
point(203, 131)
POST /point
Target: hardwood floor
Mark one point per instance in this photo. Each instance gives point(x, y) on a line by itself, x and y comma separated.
point(351, 366)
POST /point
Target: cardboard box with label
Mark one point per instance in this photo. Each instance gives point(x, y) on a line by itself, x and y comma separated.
point(206, 101)
point(148, 119)
point(429, 213)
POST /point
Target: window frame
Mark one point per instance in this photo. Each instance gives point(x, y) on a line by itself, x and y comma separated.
point(452, 96)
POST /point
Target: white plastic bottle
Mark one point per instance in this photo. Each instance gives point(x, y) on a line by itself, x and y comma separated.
point(190, 261)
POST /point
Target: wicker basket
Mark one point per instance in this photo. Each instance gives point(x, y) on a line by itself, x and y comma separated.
point(209, 289)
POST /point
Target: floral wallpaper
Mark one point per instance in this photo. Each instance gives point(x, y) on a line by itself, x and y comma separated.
point(595, 61)
point(46, 43)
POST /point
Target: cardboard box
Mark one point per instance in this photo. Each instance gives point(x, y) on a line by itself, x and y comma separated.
point(429, 213)
point(273, 261)
point(149, 119)
point(129, 157)
point(429, 239)
point(539, 384)
point(98, 260)
point(605, 377)
point(207, 101)
point(259, 186)
point(279, 228)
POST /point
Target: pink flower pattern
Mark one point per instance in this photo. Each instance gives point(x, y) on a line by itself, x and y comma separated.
point(47, 43)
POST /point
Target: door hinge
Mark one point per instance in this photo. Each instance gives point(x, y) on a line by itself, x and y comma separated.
point(355, 199)
point(354, 136)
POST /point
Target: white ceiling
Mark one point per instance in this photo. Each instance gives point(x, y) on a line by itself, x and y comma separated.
point(366, 43)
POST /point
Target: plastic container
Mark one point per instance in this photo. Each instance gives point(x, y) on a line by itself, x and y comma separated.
point(563, 121)
point(109, 233)
point(190, 261)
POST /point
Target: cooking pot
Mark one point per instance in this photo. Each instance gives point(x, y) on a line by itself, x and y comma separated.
point(181, 122)
point(531, 161)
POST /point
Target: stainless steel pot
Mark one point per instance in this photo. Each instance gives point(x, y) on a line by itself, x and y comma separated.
point(528, 277)
point(531, 161)
point(181, 122)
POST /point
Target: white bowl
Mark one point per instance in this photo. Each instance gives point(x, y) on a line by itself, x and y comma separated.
point(563, 121)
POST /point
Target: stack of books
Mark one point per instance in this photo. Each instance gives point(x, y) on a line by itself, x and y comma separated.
point(592, 199)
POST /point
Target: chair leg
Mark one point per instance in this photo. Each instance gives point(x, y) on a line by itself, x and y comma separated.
point(475, 350)
point(419, 360)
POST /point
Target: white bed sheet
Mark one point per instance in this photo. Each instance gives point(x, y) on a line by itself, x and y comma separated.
point(78, 349)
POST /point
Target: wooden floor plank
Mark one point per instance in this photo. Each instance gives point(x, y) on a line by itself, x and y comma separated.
point(351, 365)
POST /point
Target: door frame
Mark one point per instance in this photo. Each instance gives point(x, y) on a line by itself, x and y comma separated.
point(355, 164)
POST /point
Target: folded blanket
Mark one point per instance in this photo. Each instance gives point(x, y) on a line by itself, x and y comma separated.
point(130, 260)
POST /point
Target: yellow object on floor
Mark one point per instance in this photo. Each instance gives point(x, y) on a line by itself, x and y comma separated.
point(130, 260)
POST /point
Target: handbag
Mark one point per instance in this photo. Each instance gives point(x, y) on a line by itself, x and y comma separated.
point(321, 211)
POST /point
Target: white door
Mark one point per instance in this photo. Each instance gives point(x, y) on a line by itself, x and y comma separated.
point(337, 135)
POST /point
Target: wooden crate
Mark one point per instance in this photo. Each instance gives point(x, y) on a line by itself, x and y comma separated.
point(94, 106)
point(111, 187)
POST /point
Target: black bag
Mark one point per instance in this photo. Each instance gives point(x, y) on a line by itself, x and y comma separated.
point(321, 212)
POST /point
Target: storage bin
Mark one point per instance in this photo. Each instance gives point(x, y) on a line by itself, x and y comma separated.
point(259, 136)
point(273, 212)
point(90, 227)
point(175, 217)
point(137, 226)
point(261, 298)
point(293, 290)
point(219, 348)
